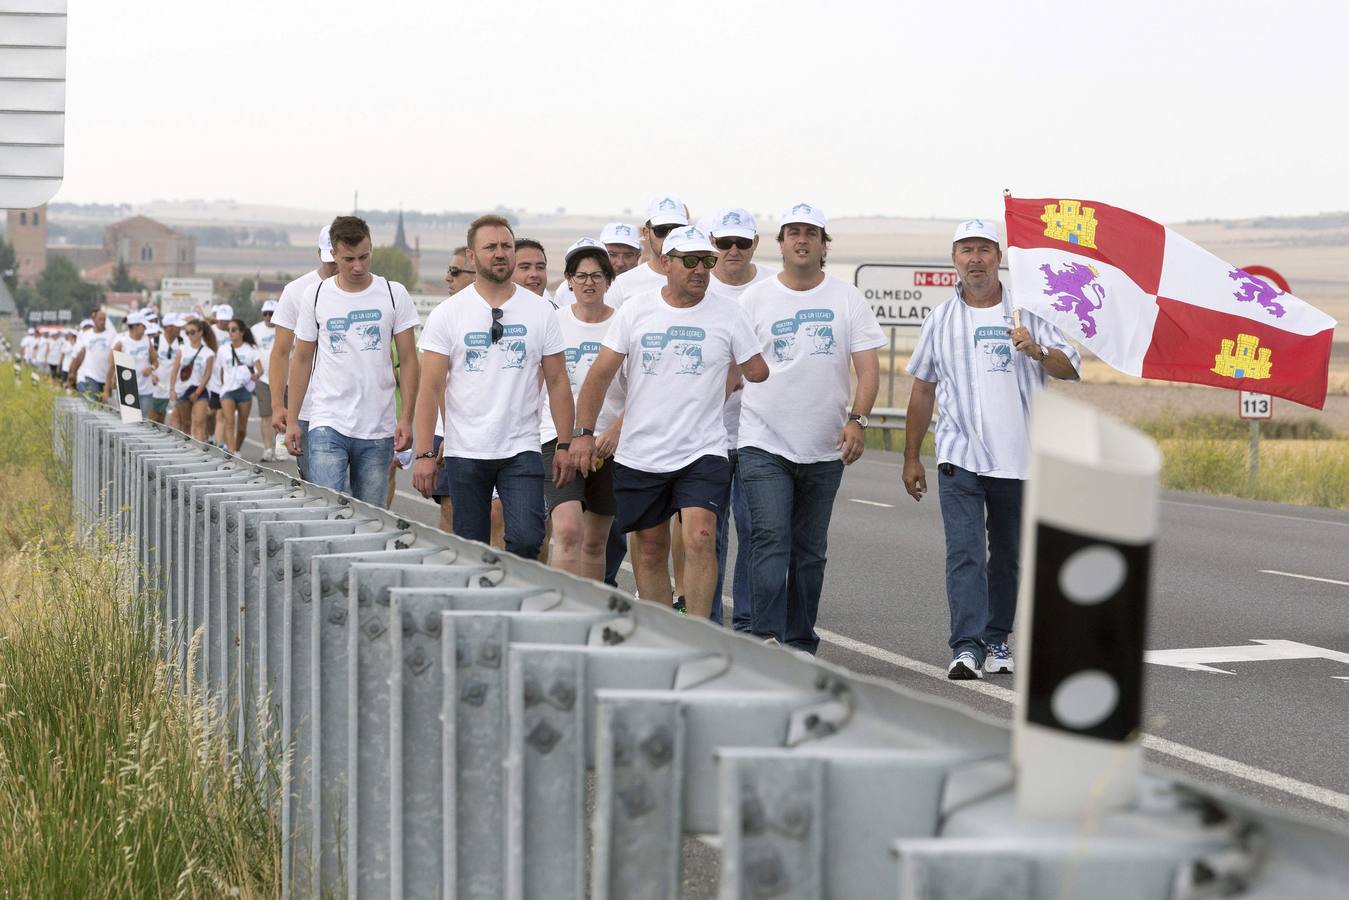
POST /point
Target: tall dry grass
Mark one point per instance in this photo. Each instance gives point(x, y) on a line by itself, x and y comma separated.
point(111, 784)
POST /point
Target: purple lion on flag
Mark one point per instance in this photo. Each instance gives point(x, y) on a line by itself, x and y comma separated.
point(1069, 290)
point(1256, 290)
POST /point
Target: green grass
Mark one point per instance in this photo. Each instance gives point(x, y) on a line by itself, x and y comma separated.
point(111, 785)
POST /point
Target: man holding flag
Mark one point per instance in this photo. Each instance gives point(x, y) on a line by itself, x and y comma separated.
point(981, 360)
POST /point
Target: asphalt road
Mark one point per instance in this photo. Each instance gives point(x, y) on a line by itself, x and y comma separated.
point(1269, 729)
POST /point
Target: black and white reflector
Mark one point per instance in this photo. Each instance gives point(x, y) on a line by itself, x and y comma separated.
point(127, 387)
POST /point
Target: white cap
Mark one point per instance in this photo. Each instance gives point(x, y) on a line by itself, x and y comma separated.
point(86, 323)
point(224, 312)
point(34, 330)
point(172, 320)
point(583, 244)
point(686, 240)
point(136, 318)
point(805, 214)
point(153, 328)
point(268, 306)
point(326, 245)
point(149, 313)
point(620, 233)
point(668, 210)
point(976, 228)
point(734, 222)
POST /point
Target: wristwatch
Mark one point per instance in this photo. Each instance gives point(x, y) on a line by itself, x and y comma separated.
point(1044, 353)
point(859, 419)
point(583, 432)
point(429, 454)
point(563, 445)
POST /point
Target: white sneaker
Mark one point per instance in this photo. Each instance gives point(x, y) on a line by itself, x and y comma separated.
point(267, 455)
point(998, 660)
point(964, 668)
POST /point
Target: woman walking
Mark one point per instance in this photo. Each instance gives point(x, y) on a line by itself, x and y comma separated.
point(241, 365)
point(187, 384)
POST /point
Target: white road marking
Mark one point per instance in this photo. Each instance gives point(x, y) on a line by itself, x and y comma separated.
point(1198, 659)
point(1303, 577)
point(871, 503)
point(1256, 512)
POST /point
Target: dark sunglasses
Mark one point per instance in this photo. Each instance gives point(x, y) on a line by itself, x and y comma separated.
point(691, 262)
point(662, 231)
point(455, 271)
point(738, 243)
point(497, 328)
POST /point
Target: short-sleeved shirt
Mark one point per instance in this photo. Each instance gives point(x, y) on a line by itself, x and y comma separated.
point(677, 362)
point(948, 350)
point(97, 347)
point(730, 413)
point(581, 347)
point(287, 311)
point(265, 335)
point(351, 389)
point(493, 391)
point(807, 339)
point(640, 279)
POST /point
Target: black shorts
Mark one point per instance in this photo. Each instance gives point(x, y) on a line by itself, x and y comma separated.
point(212, 399)
point(595, 491)
point(646, 499)
point(442, 488)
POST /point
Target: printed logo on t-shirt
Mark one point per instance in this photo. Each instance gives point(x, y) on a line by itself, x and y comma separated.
point(813, 327)
point(359, 328)
point(573, 355)
point(683, 341)
point(514, 350)
point(994, 346)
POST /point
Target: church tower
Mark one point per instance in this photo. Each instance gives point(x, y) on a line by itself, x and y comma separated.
point(414, 253)
point(26, 229)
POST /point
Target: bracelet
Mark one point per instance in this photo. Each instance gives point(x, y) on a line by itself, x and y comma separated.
point(563, 446)
point(429, 454)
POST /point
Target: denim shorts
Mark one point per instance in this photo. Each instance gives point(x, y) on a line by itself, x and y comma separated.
point(646, 499)
point(212, 399)
point(238, 395)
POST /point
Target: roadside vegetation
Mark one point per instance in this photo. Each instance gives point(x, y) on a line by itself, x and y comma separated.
point(110, 783)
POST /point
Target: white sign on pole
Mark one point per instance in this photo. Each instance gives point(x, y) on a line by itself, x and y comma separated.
point(33, 124)
point(180, 295)
point(1255, 406)
point(903, 294)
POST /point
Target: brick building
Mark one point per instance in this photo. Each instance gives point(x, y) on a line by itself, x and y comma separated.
point(26, 229)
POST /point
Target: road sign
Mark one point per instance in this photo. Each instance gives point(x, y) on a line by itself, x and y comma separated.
point(32, 127)
point(903, 294)
point(1255, 406)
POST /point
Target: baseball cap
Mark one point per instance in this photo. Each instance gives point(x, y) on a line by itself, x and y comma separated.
point(136, 318)
point(34, 330)
point(734, 222)
point(224, 311)
point(268, 306)
point(686, 240)
point(805, 214)
point(583, 244)
point(668, 210)
point(976, 228)
point(149, 313)
point(153, 328)
point(86, 323)
point(172, 320)
point(620, 233)
point(326, 245)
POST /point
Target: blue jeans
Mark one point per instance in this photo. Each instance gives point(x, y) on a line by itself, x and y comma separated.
point(982, 520)
point(358, 466)
point(302, 461)
point(90, 387)
point(519, 482)
point(789, 507)
point(739, 508)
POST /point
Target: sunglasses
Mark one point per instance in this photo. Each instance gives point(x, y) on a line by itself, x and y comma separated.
point(738, 243)
point(497, 328)
point(663, 231)
point(691, 262)
point(455, 271)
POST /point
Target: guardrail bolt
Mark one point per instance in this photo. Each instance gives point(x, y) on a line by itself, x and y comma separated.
point(432, 624)
point(564, 694)
point(533, 693)
point(474, 692)
point(544, 737)
point(373, 627)
point(795, 822)
point(409, 624)
point(489, 656)
point(338, 614)
point(659, 748)
point(418, 661)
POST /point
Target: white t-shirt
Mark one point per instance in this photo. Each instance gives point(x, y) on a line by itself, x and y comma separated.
point(140, 352)
point(493, 391)
point(730, 413)
point(236, 366)
point(168, 358)
point(265, 335)
point(581, 342)
point(352, 386)
point(999, 397)
point(97, 347)
point(198, 358)
point(54, 349)
point(222, 340)
point(638, 280)
point(288, 307)
point(677, 364)
point(807, 338)
point(564, 296)
point(26, 347)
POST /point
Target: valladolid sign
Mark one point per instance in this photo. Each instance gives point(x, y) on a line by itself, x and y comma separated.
point(903, 294)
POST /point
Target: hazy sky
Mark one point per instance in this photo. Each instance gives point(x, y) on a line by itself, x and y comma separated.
point(1175, 109)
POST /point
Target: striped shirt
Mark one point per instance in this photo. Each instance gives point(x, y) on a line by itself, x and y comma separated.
point(945, 356)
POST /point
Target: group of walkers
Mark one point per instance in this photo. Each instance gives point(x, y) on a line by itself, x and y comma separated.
point(672, 387)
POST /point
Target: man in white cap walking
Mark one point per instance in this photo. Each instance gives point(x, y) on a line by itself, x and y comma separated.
point(283, 319)
point(90, 366)
point(167, 347)
point(801, 427)
point(663, 215)
point(684, 344)
point(983, 444)
point(264, 335)
point(136, 344)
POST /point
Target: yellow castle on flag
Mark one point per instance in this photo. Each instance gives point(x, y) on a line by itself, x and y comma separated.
point(1240, 359)
point(1071, 222)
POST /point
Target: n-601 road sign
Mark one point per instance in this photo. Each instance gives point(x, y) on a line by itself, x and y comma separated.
point(1255, 406)
point(904, 294)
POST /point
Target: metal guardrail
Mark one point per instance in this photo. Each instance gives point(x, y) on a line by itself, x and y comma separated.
point(445, 717)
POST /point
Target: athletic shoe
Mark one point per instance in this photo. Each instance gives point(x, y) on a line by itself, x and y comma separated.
point(679, 606)
point(267, 455)
point(998, 661)
point(964, 668)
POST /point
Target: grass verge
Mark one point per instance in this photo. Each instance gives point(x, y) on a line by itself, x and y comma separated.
point(111, 785)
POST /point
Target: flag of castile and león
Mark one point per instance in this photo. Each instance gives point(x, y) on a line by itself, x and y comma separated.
point(1149, 302)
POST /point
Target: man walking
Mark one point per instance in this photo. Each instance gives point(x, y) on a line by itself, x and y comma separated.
point(488, 351)
point(89, 369)
point(343, 334)
point(685, 345)
point(982, 361)
point(800, 428)
point(459, 274)
point(264, 335)
point(663, 215)
point(143, 352)
point(531, 268)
